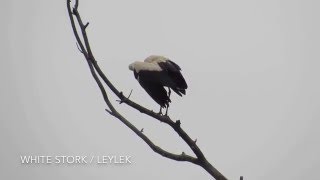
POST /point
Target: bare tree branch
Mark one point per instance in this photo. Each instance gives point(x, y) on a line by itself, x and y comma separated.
point(97, 73)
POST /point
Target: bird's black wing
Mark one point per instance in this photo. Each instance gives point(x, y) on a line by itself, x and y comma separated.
point(156, 91)
point(175, 75)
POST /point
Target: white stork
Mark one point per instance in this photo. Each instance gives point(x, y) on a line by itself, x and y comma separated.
point(157, 72)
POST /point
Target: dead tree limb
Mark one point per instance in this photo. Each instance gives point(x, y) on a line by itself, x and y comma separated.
point(96, 72)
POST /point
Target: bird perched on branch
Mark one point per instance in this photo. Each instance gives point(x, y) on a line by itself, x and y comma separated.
point(157, 72)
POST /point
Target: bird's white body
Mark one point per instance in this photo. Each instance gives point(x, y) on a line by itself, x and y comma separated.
point(155, 58)
point(138, 66)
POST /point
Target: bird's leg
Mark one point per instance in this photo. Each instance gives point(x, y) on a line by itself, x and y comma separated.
point(167, 108)
point(169, 92)
point(167, 111)
point(160, 112)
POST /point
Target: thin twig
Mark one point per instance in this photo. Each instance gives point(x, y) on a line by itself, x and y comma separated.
point(121, 100)
point(79, 48)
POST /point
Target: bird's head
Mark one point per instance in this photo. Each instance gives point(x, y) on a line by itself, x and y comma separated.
point(131, 66)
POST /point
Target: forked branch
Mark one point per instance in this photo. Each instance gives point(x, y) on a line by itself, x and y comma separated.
point(96, 72)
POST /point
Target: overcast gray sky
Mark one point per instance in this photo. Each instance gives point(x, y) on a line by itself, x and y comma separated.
point(253, 99)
